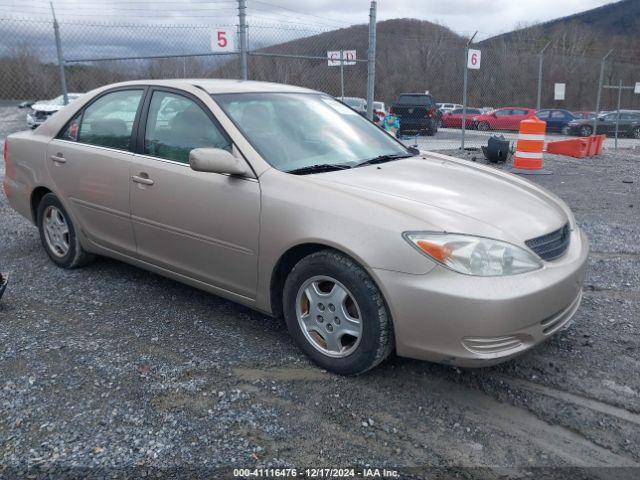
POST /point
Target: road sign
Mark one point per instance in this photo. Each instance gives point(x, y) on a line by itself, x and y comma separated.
point(473, 59)
point(558, 91)
point(637, 88)
point(223, 40)
point(348, 58)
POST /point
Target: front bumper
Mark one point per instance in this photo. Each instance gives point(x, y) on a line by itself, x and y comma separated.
point(447, 317)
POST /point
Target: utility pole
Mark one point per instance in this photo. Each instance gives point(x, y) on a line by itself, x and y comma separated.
point(63, 80)
point(242, 19)
point(371, 60)
point(595, 120)
point(464, 89)
point(540, 59)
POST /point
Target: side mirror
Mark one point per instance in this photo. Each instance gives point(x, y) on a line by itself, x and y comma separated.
point(216, 160)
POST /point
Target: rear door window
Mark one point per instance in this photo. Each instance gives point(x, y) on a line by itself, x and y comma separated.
point(108, 122)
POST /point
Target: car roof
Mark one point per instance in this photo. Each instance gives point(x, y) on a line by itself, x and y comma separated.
point(214, 86)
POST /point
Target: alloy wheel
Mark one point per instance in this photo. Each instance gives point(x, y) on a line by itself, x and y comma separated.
point(329, 316)
point(56, 231)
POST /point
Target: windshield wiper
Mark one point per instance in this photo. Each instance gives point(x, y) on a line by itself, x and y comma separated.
point(383, 159)
point(323, 167)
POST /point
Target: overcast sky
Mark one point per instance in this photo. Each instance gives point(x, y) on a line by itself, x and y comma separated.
point(489, 17)
point(282, 20)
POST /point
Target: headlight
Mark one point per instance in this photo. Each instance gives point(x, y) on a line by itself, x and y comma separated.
point(470, 255)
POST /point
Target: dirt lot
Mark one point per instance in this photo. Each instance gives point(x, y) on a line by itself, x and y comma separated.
point(115, 370)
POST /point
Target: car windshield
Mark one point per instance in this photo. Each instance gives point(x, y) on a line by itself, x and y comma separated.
point(298, 130)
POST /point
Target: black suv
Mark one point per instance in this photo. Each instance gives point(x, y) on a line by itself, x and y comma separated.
point(417, 113)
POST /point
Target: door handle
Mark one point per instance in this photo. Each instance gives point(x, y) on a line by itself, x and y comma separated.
point(58, 158)
point(144, 180)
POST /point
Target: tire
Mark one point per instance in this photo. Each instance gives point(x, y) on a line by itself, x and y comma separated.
point(484, 126)
point(635, 133)
point(432, 128)
point(58, 234)
point(585, 130)
point(328, 272)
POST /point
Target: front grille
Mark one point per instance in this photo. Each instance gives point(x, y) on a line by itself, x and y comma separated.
point(552, 245)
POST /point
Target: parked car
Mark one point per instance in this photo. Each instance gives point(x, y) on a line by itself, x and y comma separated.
point(417, 113)
point(507, 118)
point(42, 110)
point(453, 119)
point(628, 124)
point(357, 103)
point(380, 107)
point(556, 119)
point(448, 107)
point(388, 248)
point(583, 115)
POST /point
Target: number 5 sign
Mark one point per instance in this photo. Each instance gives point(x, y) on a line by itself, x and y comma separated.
point(473, 60)
point(223, 40)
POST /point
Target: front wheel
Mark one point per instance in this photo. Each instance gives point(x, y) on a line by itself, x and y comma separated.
point(58, 234)
point(336, 314)
point(484, 126)
point(635, 133)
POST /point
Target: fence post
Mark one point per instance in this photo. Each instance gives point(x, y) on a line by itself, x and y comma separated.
point(371, 60)
point(242, 20)
point(540, 59)
point(618, 113)
point(464, 90)
point(342, 75)
point(595, 120)
point(63, 80)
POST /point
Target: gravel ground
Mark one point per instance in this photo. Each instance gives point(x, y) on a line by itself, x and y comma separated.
point(113, 370)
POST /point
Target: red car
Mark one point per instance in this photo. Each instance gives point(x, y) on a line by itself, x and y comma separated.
point(506, 118)
point(453, 119)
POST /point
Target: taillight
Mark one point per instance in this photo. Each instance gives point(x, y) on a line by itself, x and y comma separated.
point(390, 110)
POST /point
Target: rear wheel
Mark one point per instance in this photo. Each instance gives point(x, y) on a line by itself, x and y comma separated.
point(484, 126)
point(432, 128)
point(585, 130)
point(336, 314)
point(58, 234)
point(635, 133)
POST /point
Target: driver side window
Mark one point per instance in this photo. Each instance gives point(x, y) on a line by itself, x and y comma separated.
point(176, 125)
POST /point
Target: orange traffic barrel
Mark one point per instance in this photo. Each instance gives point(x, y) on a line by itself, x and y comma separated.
point(528, 157)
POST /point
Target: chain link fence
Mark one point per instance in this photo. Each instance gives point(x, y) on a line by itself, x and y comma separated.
point(416, 57)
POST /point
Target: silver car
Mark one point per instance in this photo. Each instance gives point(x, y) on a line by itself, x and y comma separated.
point(40, 111)
point(287, 201)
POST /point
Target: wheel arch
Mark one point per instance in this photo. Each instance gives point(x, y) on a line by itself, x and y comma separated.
point(36, 197)
point(288, 260)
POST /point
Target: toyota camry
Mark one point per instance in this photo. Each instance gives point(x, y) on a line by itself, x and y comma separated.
point(288, 201)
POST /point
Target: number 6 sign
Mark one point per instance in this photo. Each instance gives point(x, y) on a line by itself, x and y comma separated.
point(473, 61)
point(223, 40)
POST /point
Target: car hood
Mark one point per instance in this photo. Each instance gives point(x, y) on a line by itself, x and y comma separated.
point(46, 107)
point(449, 194)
